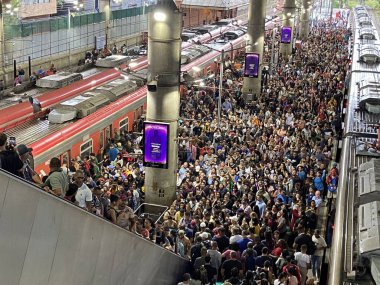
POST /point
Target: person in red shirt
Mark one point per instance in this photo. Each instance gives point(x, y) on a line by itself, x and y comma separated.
point(280, 246)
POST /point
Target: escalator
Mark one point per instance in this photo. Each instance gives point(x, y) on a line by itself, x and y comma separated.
point(45, 240)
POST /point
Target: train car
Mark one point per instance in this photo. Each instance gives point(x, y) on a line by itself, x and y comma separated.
point(85, 134)
point(356, 247)
point(23, 112)
point(16, 114)
point(90, 133)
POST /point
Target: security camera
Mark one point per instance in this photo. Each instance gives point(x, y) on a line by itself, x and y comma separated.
point(152, 86)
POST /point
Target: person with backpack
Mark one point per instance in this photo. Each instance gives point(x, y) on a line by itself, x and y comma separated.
point(304, 238)
point(9, 159)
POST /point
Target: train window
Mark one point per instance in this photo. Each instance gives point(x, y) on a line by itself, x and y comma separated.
point(101, 139)
point(124, 125)
point(65, 157)
point(362, 185)
point(86, 148)
point(208, 70)
point(363, 217)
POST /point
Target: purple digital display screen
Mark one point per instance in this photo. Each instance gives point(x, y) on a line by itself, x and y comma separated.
point(252, 64)
point(286, 35)
point(156, 144)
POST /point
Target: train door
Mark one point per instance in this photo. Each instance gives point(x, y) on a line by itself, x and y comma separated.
point(105, 135)
point(86, 148)
point(124, 125)
point(108, 132)
point(66, 157)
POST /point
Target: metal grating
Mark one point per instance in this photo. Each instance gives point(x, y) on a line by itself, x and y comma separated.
point(364, 123)
point(34, 130)
point(369, 53)
point(369, 99)
point(365, 149)
point(367, 33)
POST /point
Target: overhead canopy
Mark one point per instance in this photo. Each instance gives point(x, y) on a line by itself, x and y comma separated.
point(215, 4)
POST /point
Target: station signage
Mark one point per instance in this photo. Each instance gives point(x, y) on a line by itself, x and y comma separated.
point(252, 64)
point(156, 144)
point(286, 35)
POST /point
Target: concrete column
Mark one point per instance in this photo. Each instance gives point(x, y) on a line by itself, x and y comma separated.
point(255, 44)
point(305, 19)
point(164, 41)
point(288, 18)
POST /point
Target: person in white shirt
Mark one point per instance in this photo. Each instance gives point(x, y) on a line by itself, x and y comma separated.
point(303, 262)
point(320, 244)
point(282, 278)
point(84, 194)
point(186, 279)
point(235, 237)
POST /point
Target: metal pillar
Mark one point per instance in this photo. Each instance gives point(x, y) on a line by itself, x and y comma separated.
point(338, 250)
point(305, 19)
point(255, 44)
point(271, 63)
point(288, 18)
point(2, 45)
point(164, 41)
point(221, 69)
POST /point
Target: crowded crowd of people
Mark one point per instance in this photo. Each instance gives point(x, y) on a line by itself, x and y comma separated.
point(250, 193)
point(250, 187)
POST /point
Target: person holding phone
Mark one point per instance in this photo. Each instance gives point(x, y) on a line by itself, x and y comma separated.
point(9, 158)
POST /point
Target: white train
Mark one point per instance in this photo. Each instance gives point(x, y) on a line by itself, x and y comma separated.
point(357, 219)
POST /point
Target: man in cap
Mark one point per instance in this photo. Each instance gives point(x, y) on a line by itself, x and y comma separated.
point(27, 170)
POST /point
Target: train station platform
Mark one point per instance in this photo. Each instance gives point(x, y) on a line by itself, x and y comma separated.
point(253, 186)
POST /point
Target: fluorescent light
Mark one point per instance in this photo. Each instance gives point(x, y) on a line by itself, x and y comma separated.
point(159, 16)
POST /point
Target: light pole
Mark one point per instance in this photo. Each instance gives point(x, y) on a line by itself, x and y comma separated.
point(108, 17)
point(77, 7)
point(220, 86)
point(10, 10)
point(274, 32)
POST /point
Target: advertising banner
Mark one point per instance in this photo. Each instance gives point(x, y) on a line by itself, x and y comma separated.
point(156, 144)
point(252, 64)
point(286, 35)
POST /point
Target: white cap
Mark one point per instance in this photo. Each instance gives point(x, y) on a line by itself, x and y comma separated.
point(204, 235)
point(203, 225)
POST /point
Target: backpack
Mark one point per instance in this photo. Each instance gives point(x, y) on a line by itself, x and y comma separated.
point(311, 247)
point(107, 214)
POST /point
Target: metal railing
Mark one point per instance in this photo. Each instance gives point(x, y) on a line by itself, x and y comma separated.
point(156, 212)
point(25, 29)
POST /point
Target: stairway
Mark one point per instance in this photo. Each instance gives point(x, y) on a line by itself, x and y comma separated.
point(46, 240)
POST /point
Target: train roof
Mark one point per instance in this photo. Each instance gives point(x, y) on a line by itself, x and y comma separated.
point(58, 80)
point(365, 57)
point(363, 121)
point(88, 102)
